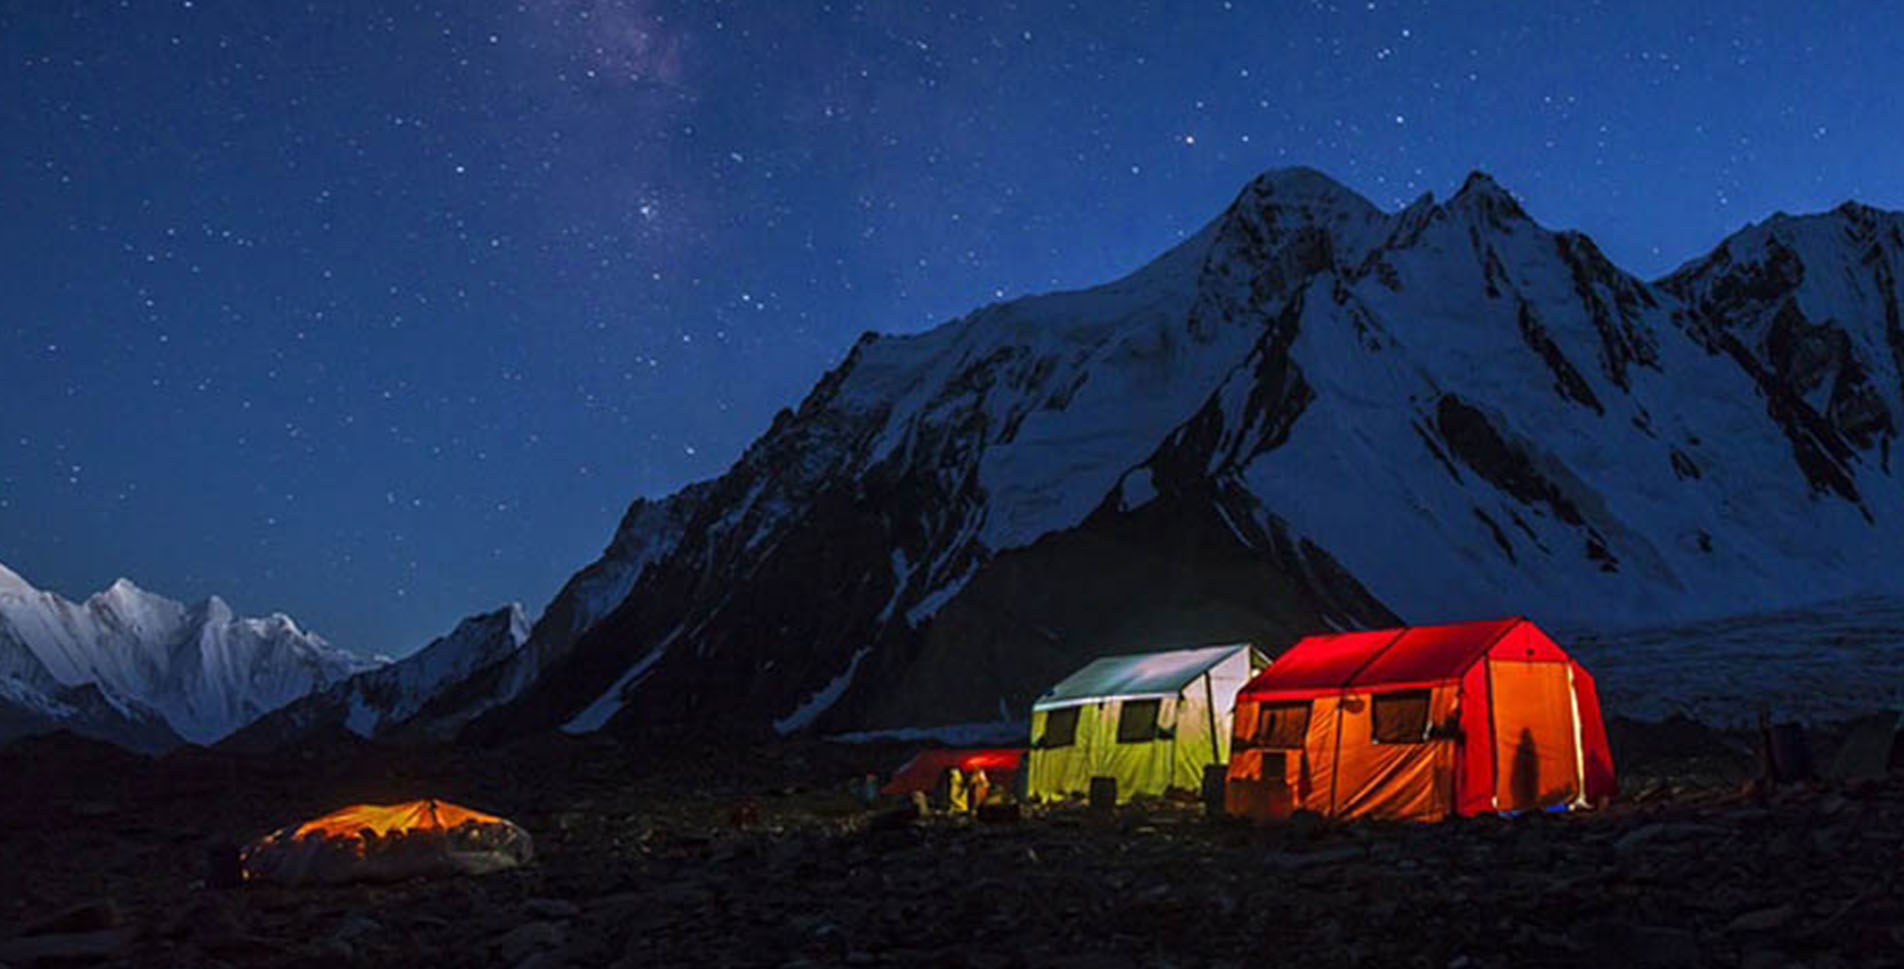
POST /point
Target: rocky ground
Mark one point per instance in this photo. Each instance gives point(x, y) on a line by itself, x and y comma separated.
point(669, 854)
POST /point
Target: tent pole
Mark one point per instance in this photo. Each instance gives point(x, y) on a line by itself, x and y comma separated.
point(1579, 748)
point(1335, 760)
point(1209, 696)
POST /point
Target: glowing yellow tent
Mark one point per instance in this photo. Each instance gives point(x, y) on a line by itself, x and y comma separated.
point(1152, 721)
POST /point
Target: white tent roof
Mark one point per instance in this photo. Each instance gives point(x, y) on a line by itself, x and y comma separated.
point(1136, 677)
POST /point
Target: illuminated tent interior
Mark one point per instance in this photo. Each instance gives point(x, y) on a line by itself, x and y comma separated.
point(372, 842)
point(1151, 721)
point(1420, 723)
point(922, 772)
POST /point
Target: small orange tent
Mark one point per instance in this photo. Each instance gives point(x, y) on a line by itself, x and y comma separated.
point(375, 842)
point(1420, 723)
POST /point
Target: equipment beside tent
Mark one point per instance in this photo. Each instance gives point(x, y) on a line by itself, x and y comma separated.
point(923, 771)
point(371, 842)
point(1871, 749)
point(1150, 721)
point(1420, 723)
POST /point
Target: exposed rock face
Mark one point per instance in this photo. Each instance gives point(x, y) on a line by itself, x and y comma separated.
point(1808, 307)
point(1313, 414)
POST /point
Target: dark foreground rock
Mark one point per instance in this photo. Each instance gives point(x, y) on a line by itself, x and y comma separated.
point(641, 862)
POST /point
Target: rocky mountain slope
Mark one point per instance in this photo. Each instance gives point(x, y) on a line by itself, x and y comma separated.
point(1312, 414)
point(30, 710)
point(368, 703)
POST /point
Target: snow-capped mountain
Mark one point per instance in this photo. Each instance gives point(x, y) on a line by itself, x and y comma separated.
point(1312, 414)
point(368, 703)
point(647, 532)
point(199, 670)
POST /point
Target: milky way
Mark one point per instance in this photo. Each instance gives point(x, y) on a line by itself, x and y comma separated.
point(380, 314)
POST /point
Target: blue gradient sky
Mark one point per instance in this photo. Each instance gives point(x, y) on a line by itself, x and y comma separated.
point(379, 314)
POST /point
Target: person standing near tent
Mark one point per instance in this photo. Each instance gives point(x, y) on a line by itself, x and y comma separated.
point(978, 787)
point(952, 791)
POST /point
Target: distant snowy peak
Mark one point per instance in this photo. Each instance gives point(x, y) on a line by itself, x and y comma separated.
point(1809, 308)
point(203, 669)
point(370, 703)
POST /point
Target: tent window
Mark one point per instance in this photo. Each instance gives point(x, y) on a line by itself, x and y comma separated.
point(1137, 721)
point(1281, 726)
point(1401, 718)
point(1061, 728)
point(1275, 768)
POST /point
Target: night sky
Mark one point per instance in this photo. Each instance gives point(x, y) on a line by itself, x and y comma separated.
point(380, 314)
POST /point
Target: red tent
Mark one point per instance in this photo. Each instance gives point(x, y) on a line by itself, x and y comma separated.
point(922, 772)
point(1420, 722)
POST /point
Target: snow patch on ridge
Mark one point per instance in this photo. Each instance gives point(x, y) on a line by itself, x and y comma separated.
point(1137, 491)
point(598, 713)
point(821, 700)
point(937, 598)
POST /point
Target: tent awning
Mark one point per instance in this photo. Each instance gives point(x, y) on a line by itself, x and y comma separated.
point(1139, 677)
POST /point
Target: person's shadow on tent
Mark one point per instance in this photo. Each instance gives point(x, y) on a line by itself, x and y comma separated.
point(1523, 780)
point(1523, 783)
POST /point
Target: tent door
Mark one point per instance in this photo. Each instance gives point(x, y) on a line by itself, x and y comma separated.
point(1536, 746)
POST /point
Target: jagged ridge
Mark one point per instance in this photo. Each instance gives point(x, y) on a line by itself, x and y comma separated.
point(1437, 413)
point(199, 670)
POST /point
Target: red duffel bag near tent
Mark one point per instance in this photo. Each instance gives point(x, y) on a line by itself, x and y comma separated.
point(1420, 723)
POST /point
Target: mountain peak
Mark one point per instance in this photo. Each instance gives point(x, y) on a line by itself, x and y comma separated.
point(1300, 183)
point(123, 589)
point(1479, 181)
point(1869, 220)
point(1302, 199)
point(519, 623)
point(508, 617)
point(201, 672)
point(217, 610)
point(12, 583)
point(1481, 194)
point(1299, 180)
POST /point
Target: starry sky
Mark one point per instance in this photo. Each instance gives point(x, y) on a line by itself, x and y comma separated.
point(379, 314)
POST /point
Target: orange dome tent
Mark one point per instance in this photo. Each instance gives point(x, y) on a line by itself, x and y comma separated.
point(372, 842)
point(1420, 723)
